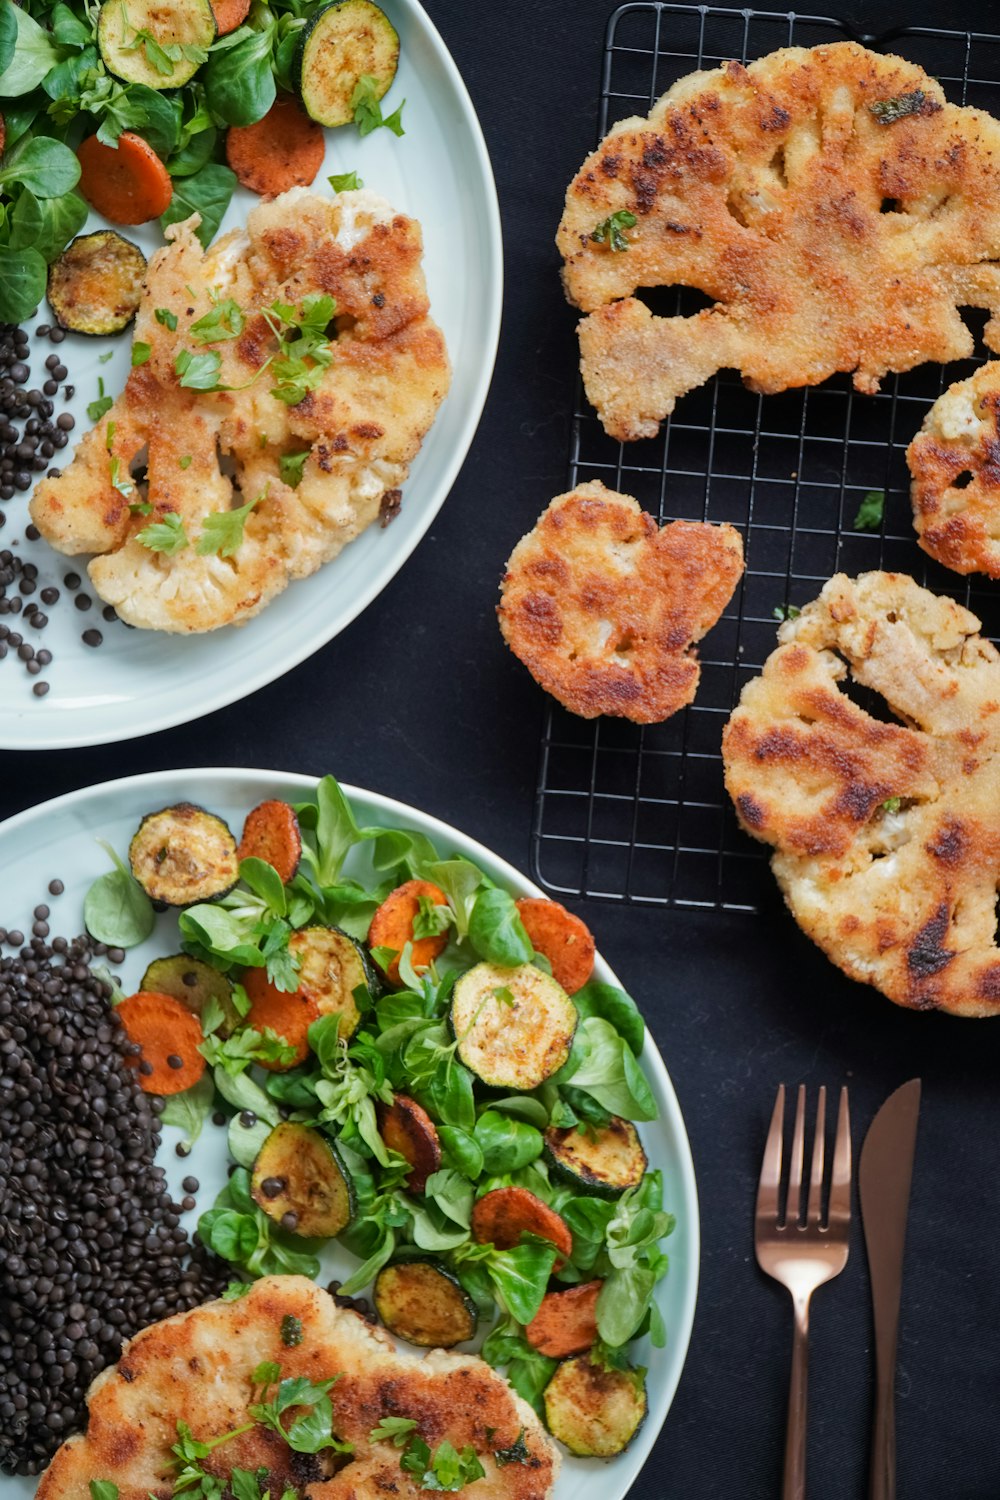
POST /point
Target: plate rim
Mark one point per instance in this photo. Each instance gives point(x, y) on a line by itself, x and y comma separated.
point(679, 1334)
point(57, 738)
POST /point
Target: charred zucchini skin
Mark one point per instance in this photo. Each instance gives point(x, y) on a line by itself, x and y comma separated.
point(183, 854)
point(299, 1172)
point(515, 1045)
point(193, 983)
point(341, 43)
point(424, 1303)
point(332, 966)
point(595, 1411)
point(174, 21)
point(602, 1161)
point(95, 286)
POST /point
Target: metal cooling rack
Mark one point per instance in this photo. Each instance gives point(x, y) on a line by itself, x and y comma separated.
point(640, 814)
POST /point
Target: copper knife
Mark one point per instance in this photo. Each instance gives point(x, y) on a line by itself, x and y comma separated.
point(884, 1176)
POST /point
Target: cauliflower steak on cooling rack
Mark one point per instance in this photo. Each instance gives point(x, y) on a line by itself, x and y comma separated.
point(831, 203)
point(955, 463)
point(290, 375)
point(886, 834)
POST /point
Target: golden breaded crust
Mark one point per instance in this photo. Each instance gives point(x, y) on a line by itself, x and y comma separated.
point(209, 452)
point(829, 238)
point(886, 835)
point(955, 463)
point(603, 607)
point(196, 1368)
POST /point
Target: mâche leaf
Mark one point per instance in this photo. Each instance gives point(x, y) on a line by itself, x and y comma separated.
point(116, 909)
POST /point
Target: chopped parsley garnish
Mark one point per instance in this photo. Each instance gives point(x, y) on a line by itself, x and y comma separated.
point(447, 1470)
point(304, 349)
point(611, 231)
point(291, 1330)
point(166, 318)
point(888, 111)
point(290, 466)
point(870, 511)
point(394, 1430)
point(140, 353)
point(191, 1477)
point(503, 994)
point(96, 410)
point(141, 508)
point(198, 372)
point(786, 611)
point(165, 535)
point(367, 110)
point(222, 532)
point(103, 1489)
point(345, 182)
point(517, 1453)
point(310, 1432)
point(225, 321)
point(892, 804)
point(235, 1290)
point(185, 461)
point(120, 481)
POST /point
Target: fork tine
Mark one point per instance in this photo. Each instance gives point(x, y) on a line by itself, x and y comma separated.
point(814, 1208)
point(793, 1204)
point(770, 1170)
point(840, 1185)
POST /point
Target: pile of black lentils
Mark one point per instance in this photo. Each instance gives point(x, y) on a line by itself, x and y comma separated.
point(91, 1248)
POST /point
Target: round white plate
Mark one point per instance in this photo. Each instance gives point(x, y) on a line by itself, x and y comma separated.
point(140, 681)
point(57, 839)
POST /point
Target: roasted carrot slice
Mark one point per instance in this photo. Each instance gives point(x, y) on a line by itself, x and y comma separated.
point(169, 1036)
point(501, 1217)
point(271, 833)
point(283, 150)
point(288, 1016)
point(229, 14)
point(127, 183)
point(392, 926)
point(566, 1322)
point(564, 939)
point(408, 1129)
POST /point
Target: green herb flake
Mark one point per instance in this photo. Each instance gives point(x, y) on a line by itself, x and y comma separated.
point(611, 231)
point(892, 804)
point(166, 535)
point(504, 995)
point(140, 353)
point(225, 321)
point(367, 109)
point(141, 508)
point(103, 1489)
point(888, 111)
point(166, 318)
point(870, 511)
point(786, 611)
point(185, 461)
point(198, 372)
point(291, 1331)
point(448, 1470)
point(517, 1453)
point(96, 409)
point(345, 182)
point(102, 359)
point(394, 1430)
point(235, 1290)
point(290, 467)
point(222, 532)
point(119, 479)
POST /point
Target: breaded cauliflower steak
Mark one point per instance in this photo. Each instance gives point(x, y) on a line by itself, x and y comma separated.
point(955, 463)
point(196, 1368)
point(886, 835)
point(212, 451)
point(603, 607)
point(833, 230)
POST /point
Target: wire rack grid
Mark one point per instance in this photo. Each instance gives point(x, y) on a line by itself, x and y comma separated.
point(640, 814)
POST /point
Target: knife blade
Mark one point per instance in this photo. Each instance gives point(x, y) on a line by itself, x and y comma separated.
point(884, 1176)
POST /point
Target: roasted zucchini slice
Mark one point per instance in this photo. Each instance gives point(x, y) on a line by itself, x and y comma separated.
point(183, 854)
point(514, 1027)
point(331, 967)
point(423, 1302)
point(595, 1411)
point(194, 984)
point(300, 1181)
point(95, 285)
point(603, 1160)
point(161, 43)
point(407, 1128)
point(341, 44)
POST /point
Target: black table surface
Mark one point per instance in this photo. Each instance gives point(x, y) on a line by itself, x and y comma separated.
point(420, 699)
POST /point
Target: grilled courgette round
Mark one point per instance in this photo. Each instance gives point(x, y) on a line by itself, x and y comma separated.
point(425, 1303)
point(342, 44)
point(514, 1027)
point(594, 1410)
point(331, 967)
point(161, 43)
point(183, 854)
point(300, 1181)
point(95, 285)
point(194, 984)
point(603, 1160)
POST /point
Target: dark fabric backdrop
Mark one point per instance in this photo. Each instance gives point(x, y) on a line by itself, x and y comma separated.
point(419, 699)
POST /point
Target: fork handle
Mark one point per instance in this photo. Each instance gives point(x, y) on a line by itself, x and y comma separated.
point(794, 1487)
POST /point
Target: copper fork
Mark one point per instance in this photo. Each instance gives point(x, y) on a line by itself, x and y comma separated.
point(802, 1253)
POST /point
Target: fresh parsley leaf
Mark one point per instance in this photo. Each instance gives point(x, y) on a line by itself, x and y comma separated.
point(141, 508)
point(198, 372)
point(96, 409)
point(166, 318)
point(888, 111)
point(166, 535)
point(345, 182)
point(119, 481)
point(140, 353)
point(266, 1373)
point(892, 804)
point(102, 359)
point(235, 1290)
point(185, 461)
point(786, 611)
point(290, 467)
point(870, 511)
point(611, 231)
point(225, 321)
point(448, 1470)
point(103, 1489)
point(222, 532)
point(367, 110)
point(517, 1453)
point(109, 436)
point(245, 1483)
point(313, 1430)
point(190, 1477)
point(394, 1430)
point(503, 994)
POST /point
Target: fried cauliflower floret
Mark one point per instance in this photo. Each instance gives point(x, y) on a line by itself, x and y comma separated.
point(167, 450)
point(886, 835)
point(955, 463)
point(603, 607)
point(834, 206)
point(197, 1367)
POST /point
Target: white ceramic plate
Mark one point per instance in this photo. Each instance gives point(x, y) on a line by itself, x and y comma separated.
point(57, 839)
point(139, 681)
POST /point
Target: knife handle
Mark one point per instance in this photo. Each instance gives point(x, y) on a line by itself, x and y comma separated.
point(883, 1465)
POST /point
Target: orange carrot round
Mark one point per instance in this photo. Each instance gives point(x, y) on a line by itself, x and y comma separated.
point(283, 150)
point(229, 14)
point(288, 1016)
point(169, 1036)
point(271, 833)
point(128, 183)
point(501, 1217)
point(564, 939)
point(566, 1322)
point(392, 926)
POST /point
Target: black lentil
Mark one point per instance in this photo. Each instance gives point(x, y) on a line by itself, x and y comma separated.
point(91, 1248)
